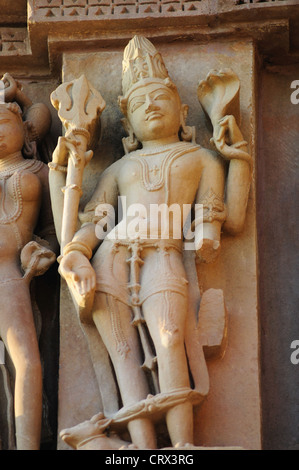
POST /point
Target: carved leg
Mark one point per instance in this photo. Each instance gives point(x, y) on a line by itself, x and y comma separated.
point(113, 321)
point(19, 336)
point(165, 316)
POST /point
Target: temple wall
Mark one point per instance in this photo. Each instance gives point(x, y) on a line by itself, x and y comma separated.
point(253, 397)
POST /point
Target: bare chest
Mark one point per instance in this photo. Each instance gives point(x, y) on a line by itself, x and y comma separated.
point(13, 200)
point(168, 177)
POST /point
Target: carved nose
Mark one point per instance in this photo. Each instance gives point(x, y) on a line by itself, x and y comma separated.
point(150, 105)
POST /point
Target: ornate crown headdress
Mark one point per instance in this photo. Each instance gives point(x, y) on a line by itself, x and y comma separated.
point(142, 63)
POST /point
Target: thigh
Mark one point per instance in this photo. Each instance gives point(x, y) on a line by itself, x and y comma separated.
point(165, 316)
point(113, 321)
point(164, 292)
point(17, 328)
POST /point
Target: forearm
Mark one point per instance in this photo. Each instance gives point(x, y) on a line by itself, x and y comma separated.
point(57, 182)
point(87, 237)
point(238, 185)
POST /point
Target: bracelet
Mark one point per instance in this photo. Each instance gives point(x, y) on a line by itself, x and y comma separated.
point(78, 246)
point(238, 145)
point(75, 187)
point(57, 167)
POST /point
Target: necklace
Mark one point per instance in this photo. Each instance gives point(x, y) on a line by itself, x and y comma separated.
point(144, 152)
point(11, 160)
point(161, 175)
point(33, 165)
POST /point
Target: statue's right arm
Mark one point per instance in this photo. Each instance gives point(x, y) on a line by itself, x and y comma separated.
point(57, 180)
point(106, 193)
point(75, 266)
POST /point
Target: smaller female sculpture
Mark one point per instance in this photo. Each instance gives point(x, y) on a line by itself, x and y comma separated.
point(24, 196)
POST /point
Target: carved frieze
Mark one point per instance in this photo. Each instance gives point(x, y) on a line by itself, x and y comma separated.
point(13, 41)
point(101, 9)
point(65, 9)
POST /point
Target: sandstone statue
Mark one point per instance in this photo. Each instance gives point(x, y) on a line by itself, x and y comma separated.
point(130, 279)
point(25, 217)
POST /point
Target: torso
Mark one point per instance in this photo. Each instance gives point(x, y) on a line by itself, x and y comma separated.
point(20, 192)
point(169, 177)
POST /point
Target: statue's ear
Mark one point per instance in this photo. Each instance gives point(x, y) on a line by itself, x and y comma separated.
point(130, 143)
point(187, 132)
point(29, 148)
point(184, 112)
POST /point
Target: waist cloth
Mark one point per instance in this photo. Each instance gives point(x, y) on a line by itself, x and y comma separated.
point(125, 270)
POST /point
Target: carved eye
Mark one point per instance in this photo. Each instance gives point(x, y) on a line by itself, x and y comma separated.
point(135, 105)
point(161, 96)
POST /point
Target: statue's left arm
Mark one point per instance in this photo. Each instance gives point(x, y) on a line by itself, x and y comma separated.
point(45, 228)
point(230, 144)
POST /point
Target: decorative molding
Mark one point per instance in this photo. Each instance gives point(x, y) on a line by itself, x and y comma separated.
point(68, 10)
point(13, 41)
point(53, 25)
point(56, 10)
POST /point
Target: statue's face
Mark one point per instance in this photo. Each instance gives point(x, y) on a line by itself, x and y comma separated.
point(11, 132)
point(154, 112)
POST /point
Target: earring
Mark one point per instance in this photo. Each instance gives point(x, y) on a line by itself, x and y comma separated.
point(29, 148)
point(131, 142)
point(188, 133)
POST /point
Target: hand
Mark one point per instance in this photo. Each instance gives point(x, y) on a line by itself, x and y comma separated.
point(11, 87)
point(77, 270)
point(67, 147)
point(229, 141)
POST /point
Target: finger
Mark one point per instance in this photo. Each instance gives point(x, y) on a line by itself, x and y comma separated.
point(75, 277)
point(76, 158)
point(221, 134)
point(83, 289)
point(7, 78)
point(93, 282)
point(224, 120)
point(87, 286)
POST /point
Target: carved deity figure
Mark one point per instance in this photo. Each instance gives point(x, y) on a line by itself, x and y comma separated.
point(140, 284)
point(24, 196)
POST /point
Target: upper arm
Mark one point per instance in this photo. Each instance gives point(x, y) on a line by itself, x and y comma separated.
point(106, 192)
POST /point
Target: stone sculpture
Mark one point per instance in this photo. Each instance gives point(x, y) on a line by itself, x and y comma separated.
point(25, 212)
point(133, 282)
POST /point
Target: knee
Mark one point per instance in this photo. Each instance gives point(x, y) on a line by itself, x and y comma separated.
point(171, 338)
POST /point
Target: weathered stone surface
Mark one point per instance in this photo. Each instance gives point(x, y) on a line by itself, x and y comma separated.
point(234, 392)
point(278, 256)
